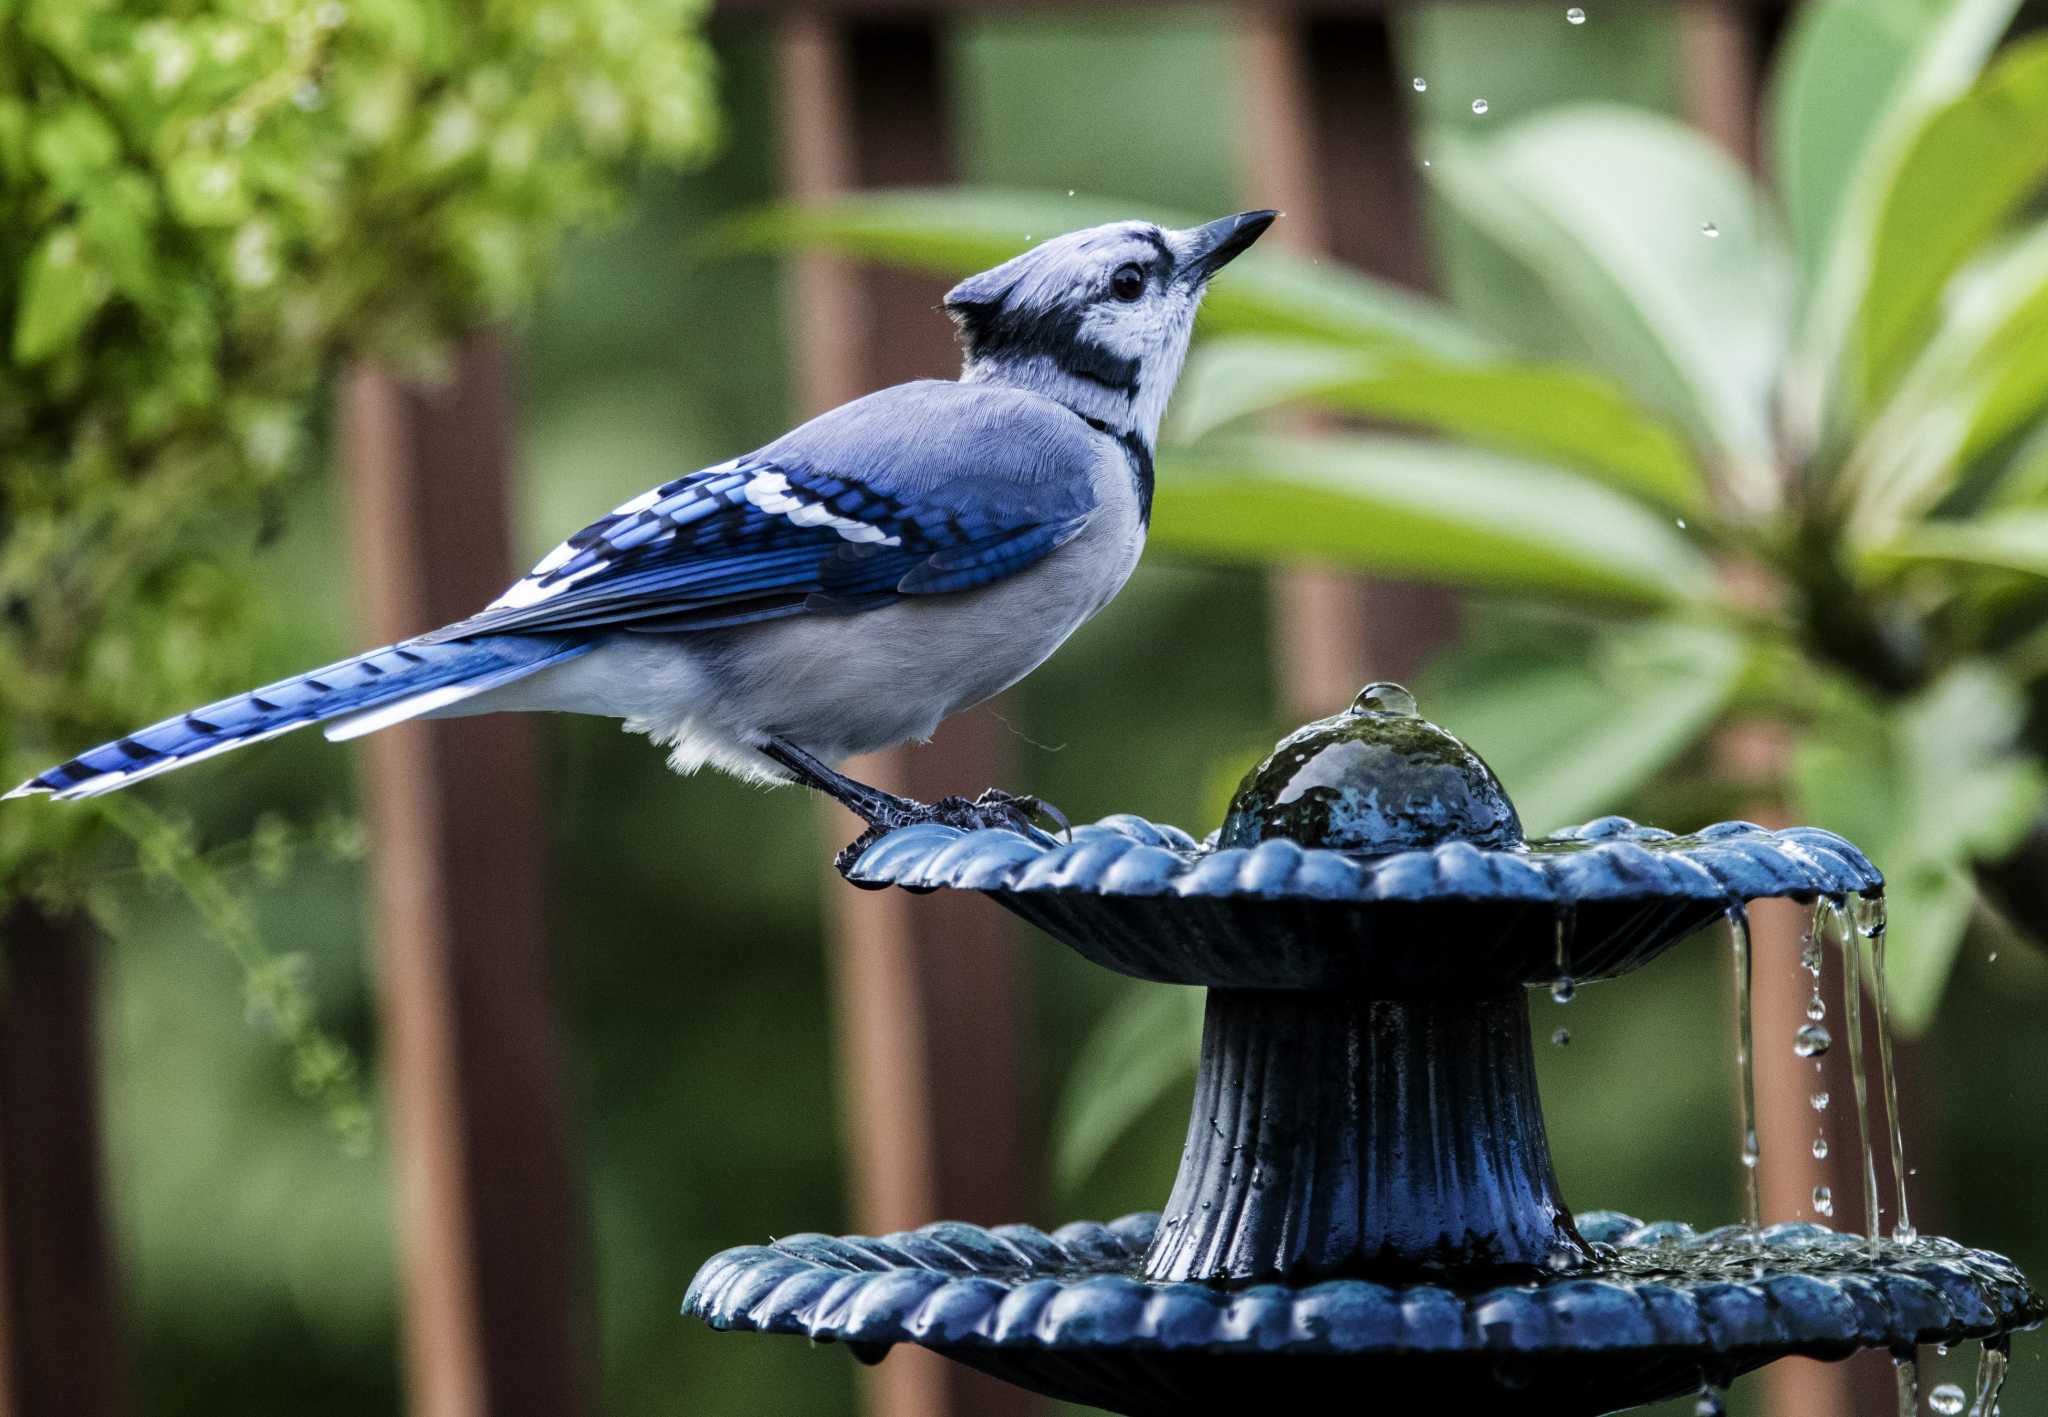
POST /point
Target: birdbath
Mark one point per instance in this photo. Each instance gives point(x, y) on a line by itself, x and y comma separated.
point(1366, 1193)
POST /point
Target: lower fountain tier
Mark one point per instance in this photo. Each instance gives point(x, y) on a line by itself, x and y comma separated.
point(1337, 1135)
point(1661, 1309)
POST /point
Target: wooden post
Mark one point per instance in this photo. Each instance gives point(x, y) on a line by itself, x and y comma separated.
point(1328, 145)
point(60, 1340)
point(488, 1222)
point(931, 993)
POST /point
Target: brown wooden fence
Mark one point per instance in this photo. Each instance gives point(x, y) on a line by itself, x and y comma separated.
point(932, 997)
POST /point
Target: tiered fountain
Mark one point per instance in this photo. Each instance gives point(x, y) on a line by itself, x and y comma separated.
point(1366, 1193)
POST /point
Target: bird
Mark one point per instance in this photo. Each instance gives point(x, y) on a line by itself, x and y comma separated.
point(843, 589)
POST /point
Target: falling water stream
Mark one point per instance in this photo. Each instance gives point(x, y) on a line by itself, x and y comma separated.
point(1868, 917)
point(1745, 1057)
point(1830, 916)
point(1991, 1363)
point(1906, 1368)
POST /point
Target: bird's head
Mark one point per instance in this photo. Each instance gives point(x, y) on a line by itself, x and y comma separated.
point(1098, 320)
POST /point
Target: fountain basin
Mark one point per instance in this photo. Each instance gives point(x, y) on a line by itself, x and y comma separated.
point(1660, 1310)
point(1457, 918)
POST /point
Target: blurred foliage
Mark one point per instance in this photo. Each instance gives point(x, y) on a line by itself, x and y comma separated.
point(203, 210)
point(1785, 463)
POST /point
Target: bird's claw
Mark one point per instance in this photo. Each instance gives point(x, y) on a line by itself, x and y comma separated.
point(993, 810)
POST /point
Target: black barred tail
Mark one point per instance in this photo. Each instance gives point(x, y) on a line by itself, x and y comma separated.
point(356, 696)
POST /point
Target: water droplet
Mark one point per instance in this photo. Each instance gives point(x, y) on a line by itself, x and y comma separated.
point(1941, 1350)
point(1426, 162)
point(1709, 1405)
point(1991, 958)
point(1421, 84)
point(1070, 191)
point(1811, 1041)
point(1479, 106)
point(1562, 1037)
point(1751, 1152)
point(1820, 1148)
point(1819, 1101)
point(1575, 16)
point(1905, 1234)
point(1709, 230)
point(1946, 1399)
point(1823, 1201)
point(1679, 522)
point(1384, 697)
point(1562, 991)
point(1816, 1008)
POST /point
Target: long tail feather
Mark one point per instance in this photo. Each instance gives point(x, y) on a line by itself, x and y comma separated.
point(368, 692)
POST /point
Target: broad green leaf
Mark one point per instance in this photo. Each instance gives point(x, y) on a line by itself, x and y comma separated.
point(1948, 43)
point(61, 291)
point(2012, 541)
point(1925, 786)
point(1570, 416)
point(1982, 376)
point(1423, 510)
point(1577, 726)
point(1838, 68)
point(959, 231)
point(1655, 244)
point(1136, 1054)
point(1973, 165)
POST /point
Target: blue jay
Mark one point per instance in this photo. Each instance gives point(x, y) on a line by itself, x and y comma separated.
point(903, 557)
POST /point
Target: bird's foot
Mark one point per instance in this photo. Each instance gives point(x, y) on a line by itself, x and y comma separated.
point(994, 809)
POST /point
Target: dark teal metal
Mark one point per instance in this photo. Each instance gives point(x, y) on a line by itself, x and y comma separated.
point(1366, 1193)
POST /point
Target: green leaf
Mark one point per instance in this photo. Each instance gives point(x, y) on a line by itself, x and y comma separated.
point(1947, 43)
point(1966, 172)
point(1577, 726)
point(1981, 377)
point(61, 291)
point(2014, 541)
point(1567, 415)
point(1839, 68)
point(1423, 510)
point(1142, 1048)
point(1610, 208)
point(1925, 786)
point(958, 231)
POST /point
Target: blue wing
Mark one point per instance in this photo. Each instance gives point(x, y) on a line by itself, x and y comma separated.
point(774, 534)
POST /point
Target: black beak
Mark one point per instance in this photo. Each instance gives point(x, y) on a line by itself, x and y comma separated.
point(1216, 245)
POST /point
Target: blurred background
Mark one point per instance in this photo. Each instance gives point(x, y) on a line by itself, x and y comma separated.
point(1658, 388)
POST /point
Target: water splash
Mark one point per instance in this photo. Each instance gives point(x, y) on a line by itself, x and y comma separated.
point(1830, 915)
point(1990, 1377)
point(1869, 917)
point(1947, 1399)
point(1906, 1369)
point(1745, 1059)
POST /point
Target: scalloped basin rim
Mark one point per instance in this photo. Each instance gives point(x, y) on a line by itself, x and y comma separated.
point(1609, 859)
point(1801, 1288)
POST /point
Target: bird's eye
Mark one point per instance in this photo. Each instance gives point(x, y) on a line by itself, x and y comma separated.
point(1128, 283)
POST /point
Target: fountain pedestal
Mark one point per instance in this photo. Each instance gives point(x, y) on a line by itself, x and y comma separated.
point(1343, 1136)
point(1366, 1193)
